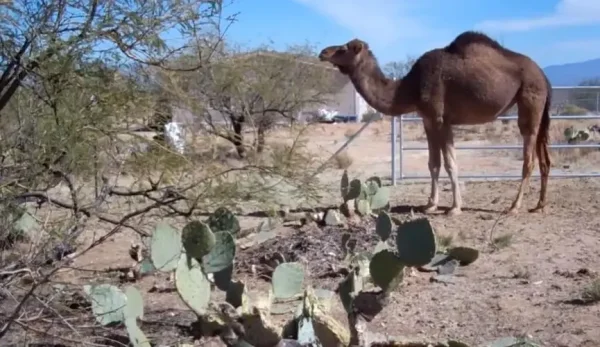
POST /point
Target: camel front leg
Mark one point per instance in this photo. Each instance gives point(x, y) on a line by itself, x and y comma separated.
point(435, 164)
point(528, 164)
point(451, 167)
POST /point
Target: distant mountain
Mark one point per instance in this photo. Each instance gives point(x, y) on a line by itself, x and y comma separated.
point(574, 73)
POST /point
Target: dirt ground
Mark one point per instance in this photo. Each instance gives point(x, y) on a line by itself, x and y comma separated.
point(531, 270)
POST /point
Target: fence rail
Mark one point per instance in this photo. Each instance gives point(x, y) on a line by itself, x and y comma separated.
point(398, 173)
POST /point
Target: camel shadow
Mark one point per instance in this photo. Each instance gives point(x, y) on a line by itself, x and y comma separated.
point(402, 209)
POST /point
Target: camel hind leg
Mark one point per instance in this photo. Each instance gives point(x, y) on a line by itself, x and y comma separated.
point(528, 122)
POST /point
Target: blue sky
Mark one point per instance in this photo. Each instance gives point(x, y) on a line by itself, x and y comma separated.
point(550, 31)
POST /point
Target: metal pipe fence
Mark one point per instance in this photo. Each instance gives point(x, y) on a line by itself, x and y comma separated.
point(398, 146)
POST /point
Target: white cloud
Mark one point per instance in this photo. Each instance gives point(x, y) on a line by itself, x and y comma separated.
point(380, 22)
point(566, 13)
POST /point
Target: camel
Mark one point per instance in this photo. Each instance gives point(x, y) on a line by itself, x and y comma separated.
point(471, 81)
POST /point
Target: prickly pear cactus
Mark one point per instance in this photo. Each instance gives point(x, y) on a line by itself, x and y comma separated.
point(198, 240)
point(223, 220)
point(465, 255)
point(222, 253)
point(236, 294)
point(136, 335)
point(288, 279)
point(383, 225)
point(108, 303)
point(165, 247)
point(354, 190)
point(386, 270)
point(192, 285)
point(135, 304)
point(416, 242)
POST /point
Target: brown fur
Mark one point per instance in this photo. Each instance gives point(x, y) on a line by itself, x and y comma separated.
point(471, 81)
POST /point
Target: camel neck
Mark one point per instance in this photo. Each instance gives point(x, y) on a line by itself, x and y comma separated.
point(379, 91)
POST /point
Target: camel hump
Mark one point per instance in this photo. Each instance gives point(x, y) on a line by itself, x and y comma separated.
point(460, 44)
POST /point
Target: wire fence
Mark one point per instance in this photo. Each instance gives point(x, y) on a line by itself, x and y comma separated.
point(571, 105)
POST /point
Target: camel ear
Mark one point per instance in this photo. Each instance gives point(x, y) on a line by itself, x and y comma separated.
point(357, 46)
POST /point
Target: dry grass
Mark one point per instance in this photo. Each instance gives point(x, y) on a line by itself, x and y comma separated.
point(343, 160)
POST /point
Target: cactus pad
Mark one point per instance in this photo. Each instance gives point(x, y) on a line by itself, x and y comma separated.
point(344, 185)
point(381, 199)
point(223, 220)
point(354, 190)
point(198, 239)
point(375, 179)
point(165, 247)
point(416, 243)
point(371, 187)
point(237, 294)
point(386, 270)
point(464, 255)
point(222, 254)
point(383, 226)
point(192, 285)
point(136, 335)
point(135, 304)
point(108, 303)
point(287, 280)
point(363, 207)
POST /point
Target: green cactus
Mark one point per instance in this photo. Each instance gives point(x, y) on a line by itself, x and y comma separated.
point(354, 190)
point(146, 267)
point(192, 285)
point(165, 247)
point(386, 270)
point(136, 335)
point(416, 242)
point(223, 220)
point(222, 254)
point(344, 185)
point(108, 303)
point(383, 225)
point(135, 304)
point(287, 281)
point(362, 206)
point(236, 294)
point(371, 187)
point(222, 279)
point(380, 200)
point(375, 179)
point(198, 239)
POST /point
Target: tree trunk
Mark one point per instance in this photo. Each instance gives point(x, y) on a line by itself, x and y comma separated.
point(260, 143)
point(238, 136)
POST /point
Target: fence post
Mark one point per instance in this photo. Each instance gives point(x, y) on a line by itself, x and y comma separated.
point(401, 151)
point(394, 150)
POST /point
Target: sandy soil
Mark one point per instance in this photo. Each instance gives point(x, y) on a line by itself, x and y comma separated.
point(531, 266)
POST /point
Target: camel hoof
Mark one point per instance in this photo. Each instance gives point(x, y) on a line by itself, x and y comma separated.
point(512, 211)
point(430, 209)
point(537, 209)
point(454, 211)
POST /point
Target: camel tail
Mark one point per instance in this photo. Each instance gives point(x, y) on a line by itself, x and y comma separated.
point(543, 136)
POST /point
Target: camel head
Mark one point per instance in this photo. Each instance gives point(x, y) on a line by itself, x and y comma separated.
point(345, 57)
